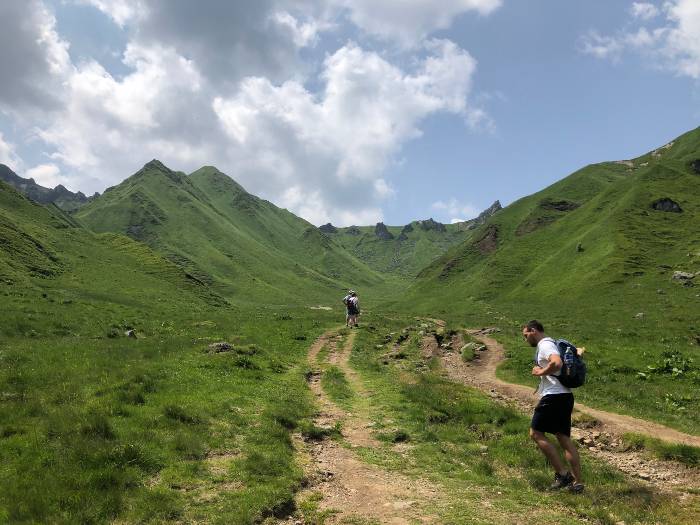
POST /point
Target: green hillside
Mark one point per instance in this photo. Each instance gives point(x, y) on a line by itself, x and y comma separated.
point(48, 259)
point(594, 257)
point(242, 246)
point(97, 426)
point(404, 250)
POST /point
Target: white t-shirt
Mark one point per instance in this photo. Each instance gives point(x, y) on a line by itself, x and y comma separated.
point(549, 384)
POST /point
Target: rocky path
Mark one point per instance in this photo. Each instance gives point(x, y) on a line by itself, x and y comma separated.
point(602, 431)
point(351, 489)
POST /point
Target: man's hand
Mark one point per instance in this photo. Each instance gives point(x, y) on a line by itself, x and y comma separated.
point(537, 371)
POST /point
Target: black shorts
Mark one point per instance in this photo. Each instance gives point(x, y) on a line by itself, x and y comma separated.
point(553, 414)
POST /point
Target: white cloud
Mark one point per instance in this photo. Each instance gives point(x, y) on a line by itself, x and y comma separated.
point(455, 210)
point(673, 44)
point(409, 22)
point(682, 45)
point(104, 116)
point(320, 152)
point(47, 175)
point(8, 155)
point(644, 10)
point(33, 58)
point(303, 34)
point(331, 148)
point(121, 11)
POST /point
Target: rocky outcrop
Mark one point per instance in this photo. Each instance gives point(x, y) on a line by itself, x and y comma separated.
point(353, 230)
point(488, 242)
point(561, 205)
point(431, 224)
point(484, 215)
point(405, 231)
point(381, 231)
point(328, 228)
point(666, 205)
point(695, 166)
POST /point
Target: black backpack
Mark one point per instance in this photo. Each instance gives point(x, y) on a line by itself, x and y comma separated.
point(573, 370)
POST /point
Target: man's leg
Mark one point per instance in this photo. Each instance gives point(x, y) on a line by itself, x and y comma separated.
point(571, 453)
point(549, 450)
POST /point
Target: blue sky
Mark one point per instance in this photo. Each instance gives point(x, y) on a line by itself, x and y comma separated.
point(346, 111)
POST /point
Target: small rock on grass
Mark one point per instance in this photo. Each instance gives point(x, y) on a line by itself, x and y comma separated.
point(221, 346)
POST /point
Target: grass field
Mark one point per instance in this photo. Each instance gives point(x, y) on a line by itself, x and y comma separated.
point(99, 427)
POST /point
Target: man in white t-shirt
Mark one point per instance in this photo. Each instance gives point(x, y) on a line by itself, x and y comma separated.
point(553, 412)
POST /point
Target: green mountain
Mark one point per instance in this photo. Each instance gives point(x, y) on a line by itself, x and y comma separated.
point(404, 250)
point(608, 237)
point(47, 258)
point(243, 246)
point(608, 257)
point(60, 196)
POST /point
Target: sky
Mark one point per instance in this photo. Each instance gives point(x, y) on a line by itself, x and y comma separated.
point(348, 111)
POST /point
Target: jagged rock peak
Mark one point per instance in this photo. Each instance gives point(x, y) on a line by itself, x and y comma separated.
point(432, 224)
point(328, 228)
point(488, 212)
point(381, 231)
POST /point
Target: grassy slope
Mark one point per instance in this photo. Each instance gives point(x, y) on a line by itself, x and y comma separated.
point(96, 427)
point(210, 226)
point(401, 256)
point(593, 296)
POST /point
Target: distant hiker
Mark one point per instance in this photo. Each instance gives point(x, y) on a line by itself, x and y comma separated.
point(352, 304)
point(553, 412)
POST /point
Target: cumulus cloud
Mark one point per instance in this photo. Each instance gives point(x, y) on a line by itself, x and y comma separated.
point(341, 139)
point(225, 86)
point(8, 155)
point(408, 22)
point(47, 175)
point(33, 58)
point(121, 11)
point(672, 43)
point(227, 40)
point(456, 211)
point(644, 10)
point(109, 125)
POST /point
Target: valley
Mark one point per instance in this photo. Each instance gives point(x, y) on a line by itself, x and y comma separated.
point(172, 351)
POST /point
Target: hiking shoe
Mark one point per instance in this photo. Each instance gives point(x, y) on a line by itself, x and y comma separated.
point(561, 481)
point(576, 488)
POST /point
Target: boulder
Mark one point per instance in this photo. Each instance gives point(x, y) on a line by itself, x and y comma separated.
point(695, 166)
point(667, 205)
point(221, 346)
point(683, 276)
point(130, 333)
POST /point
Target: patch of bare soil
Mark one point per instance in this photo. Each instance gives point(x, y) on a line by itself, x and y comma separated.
point(349, 487)
point(600, 431)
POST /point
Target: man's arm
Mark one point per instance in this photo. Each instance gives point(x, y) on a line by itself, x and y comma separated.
point(553, 366)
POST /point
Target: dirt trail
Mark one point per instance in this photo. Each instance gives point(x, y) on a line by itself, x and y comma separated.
point(350, 487)
point(602, 439)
